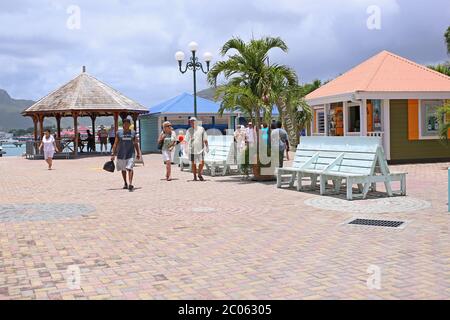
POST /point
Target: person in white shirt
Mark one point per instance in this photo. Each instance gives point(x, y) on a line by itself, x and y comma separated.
point(48, 144)
point(250, 134)
point(197, 145)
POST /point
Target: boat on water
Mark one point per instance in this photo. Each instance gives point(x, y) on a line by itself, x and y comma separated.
point(11, 142)
point(2, 152)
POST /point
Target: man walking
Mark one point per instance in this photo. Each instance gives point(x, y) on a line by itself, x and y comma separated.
point(126, 147)
point(280, 143)
point(197, 145)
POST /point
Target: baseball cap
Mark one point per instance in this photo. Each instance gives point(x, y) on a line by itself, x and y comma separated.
point(192, 119)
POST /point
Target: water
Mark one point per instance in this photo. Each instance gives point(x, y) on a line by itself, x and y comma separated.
point(13, 151)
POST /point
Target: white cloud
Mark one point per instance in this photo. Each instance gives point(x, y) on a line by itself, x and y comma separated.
point(130, 44)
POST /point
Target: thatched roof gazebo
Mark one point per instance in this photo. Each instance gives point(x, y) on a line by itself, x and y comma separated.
point(84, 96)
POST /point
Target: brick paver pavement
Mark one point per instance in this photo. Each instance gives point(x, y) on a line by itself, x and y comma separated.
point(220, 239)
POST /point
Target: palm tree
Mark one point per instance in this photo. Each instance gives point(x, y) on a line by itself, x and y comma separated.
point(443, 68)
point(248, 68)
point(250, 78)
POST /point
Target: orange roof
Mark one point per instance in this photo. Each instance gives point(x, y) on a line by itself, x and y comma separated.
point(385, 72)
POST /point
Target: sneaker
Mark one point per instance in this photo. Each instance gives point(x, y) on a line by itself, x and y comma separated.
point(201, 177)
point(131, 188)
point(125, 186)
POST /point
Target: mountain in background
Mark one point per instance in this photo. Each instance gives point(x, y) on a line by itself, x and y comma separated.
point(11, 117)
point(10, 112)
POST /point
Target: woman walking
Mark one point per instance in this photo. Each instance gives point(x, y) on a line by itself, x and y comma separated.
point(48, 144)
point(167, 140)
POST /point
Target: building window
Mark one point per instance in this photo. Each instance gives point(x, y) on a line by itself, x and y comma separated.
point(429, 122)
point(320, 122)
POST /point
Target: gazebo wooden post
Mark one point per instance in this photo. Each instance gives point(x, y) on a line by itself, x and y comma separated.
point(135, 118)
point(41, 125)
point(58, 130)
point(93, 116)
point(35, 122)
point(58, 126)
point(35, 144)
point(75, 128)
point(116, 121)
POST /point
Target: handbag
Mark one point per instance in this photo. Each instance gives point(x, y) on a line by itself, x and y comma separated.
point(109, 166)
point(160, 144)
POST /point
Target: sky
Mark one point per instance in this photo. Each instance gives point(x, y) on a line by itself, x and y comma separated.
point(130, 44)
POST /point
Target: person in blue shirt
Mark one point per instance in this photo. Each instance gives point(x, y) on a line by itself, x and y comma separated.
point(126, 147)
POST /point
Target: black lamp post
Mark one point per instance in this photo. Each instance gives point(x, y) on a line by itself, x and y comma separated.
point(194, 65)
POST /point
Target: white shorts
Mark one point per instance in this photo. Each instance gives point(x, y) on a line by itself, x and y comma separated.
point(48, 154)
point(167, 155)
point(125, 164)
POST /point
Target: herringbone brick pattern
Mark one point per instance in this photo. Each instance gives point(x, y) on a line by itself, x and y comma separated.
point(221, 239)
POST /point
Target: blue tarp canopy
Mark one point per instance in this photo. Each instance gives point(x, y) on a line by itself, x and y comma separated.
point(184, 104)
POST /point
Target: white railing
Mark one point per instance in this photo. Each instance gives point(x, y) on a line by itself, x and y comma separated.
point(353, 134)
point(318, 134)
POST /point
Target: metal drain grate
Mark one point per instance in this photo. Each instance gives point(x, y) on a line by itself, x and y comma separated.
point(377, 223)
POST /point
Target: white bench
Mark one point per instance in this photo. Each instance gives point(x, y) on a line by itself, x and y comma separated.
point(221, 154)
point(357, 160)
point(219, 157)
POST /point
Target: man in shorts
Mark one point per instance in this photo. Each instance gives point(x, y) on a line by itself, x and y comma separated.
point(125, 147)
point(197, 145)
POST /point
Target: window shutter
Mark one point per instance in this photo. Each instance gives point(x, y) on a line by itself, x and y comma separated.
point(413, 119)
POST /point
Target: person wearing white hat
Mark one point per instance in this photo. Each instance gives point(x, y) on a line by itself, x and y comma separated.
point(197, 145)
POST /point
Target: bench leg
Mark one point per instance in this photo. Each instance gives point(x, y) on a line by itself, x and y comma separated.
point(403, 185)
point(388, 186)
point(366, 189)
point(349, 183)
point(278, 179)
point(323, 185)
point(299, 181)
point(374, 187)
